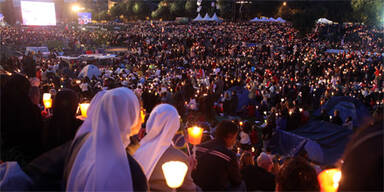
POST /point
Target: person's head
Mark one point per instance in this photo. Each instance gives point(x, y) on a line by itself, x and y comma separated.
point(118, 108)
point(265, 162)
point(66, 102)
point(336, 113)
point(246, 159)
point(297, 175)
point(227, 131)
point(362, 168)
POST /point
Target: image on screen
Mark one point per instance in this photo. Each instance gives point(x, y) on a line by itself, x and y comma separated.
point(38, 13)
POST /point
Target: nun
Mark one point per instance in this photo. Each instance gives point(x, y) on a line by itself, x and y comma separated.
point(157, 148)
point(98, 160)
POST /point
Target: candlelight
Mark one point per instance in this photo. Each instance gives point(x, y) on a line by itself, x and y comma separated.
point(174, 173)
point(301, 109)
point(329, 180)
point(195, 134)
point(265, 113)
point(290, 112)
point(46, 96)
point(83, 109)
point(241, 123)
point(253, 149)
point(282, 99)
point(48, 103)
point(330, 117)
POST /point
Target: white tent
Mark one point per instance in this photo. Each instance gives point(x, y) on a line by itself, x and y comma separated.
point(324, 21)
point(215, 18)
point(255, 19)
point(280, 20)
point(206, 17)
point(198, 18)
point(272, 19)
point(90, 71)
point(263, 19)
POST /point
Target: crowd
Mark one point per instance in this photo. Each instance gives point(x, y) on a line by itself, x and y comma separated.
point(239, 81)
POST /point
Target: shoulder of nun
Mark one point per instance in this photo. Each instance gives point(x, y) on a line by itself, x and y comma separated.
point(175, 154)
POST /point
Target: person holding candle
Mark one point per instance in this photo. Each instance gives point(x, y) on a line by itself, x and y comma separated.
point(63, 124)
point(157, 147)
point(98, 159)
point(217, 167)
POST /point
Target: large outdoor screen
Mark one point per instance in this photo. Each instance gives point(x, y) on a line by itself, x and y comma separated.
point(38, 13)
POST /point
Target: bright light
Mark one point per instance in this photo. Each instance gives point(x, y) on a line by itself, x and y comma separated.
point(174, 172)
point(285, 3)
point(329, 180)
point(77, 8)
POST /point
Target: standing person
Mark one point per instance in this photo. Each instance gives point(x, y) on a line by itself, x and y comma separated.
point(217, 167)
point(98, 159)
point(63, 124)
point(157, 148)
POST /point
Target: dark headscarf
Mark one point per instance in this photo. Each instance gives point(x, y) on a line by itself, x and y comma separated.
point(20, 122)
point(62, 126)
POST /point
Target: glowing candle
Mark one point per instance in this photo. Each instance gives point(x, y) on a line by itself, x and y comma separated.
point(83, 109)
point(195, 134)
point(241, 123)
point(301, 109)
point(46, 96)
point(174, 173)
point(48, 103)
point(253, 149)
point(47, 100)
point(329, 180)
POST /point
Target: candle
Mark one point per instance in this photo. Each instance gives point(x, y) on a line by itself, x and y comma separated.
point(47, 100)
point(329, 180)
point(46, 96)
point(174, 173)
point(48, 103)
point(241, 123)
point(282, 99)
point(301, 109)
point(265, 113)
point(195, 134)
point(330, 117)
point(253, 149)
point(83, 109)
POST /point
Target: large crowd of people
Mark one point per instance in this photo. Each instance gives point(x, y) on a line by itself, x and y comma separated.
point(239, 81)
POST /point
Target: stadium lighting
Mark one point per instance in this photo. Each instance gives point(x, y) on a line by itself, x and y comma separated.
point(77, 8)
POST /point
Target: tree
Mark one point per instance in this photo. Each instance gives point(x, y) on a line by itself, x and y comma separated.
point(117, 10)
point(369, 11)
point(177, 8)
point(190, 8)
point(225, 8)
point(162, 11)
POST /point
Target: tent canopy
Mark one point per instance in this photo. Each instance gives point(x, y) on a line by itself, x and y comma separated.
point(324, 142)
point(348, 107)
point(90, 71)
point(198, 18)
point(324, 21)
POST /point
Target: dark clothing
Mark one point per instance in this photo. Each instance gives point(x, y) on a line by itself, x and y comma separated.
point(337, 120)
point(258, 179)
point(47, 170)
point(62, 126)
point(21, 122)
point(217, 167)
